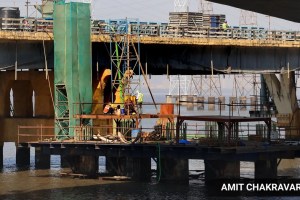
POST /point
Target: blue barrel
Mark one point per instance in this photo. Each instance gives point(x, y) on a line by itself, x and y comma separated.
point(122, 111)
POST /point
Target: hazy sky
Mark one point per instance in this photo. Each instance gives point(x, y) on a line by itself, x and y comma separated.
point(157, 11)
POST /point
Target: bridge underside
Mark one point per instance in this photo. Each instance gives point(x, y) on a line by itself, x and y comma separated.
point(180, 59)
point(285, 9)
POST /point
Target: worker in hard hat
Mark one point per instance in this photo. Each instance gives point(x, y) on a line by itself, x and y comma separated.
point(225, 26)
point(139, 100)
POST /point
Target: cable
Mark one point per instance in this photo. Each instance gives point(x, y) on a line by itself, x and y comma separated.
point(158, 164)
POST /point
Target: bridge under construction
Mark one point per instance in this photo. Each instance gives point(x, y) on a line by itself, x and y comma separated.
point(74, 69)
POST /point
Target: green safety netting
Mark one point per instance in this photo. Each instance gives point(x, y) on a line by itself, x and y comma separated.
point(72, 64)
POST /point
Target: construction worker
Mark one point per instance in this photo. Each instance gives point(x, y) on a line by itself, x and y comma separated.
point(139, 100)
point(108, 109)
point(225, 26)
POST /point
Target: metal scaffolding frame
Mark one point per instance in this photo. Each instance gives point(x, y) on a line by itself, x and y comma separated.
point(125, 66)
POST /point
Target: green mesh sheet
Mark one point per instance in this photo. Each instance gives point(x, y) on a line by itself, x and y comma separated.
point(72, 64)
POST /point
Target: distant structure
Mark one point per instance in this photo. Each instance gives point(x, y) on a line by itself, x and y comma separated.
point(205, 7)
point(181, 5)
point(248, 18)
point(46, 8)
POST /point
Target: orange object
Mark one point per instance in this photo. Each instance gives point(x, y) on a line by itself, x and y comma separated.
point(167, 109)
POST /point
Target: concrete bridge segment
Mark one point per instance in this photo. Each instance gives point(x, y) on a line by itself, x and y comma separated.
point(284, 9)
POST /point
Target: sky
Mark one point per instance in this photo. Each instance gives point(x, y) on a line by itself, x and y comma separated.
point(156, 11)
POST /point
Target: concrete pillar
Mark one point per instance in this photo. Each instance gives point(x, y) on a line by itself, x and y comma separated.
point(183, 98)
point(116, 166)
point(243, 103)
point(253, 103)
point(232, 100)
point(174, 170)
point(22, 91)
point(87, 165)
point(211, 103)
point(2, 94)
point(64, 162)
point(195, 99)
point(43, 101)
point(190, 103)
point(283, 92)
point(1, 154)
point(200, 103)
point(266, 169)
point(139, 169)
point(221, 103)
point(221, 169)
point(42, 158)
point(22, 157)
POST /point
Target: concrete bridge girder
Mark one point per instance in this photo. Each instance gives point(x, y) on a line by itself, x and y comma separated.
point(182, 59)
point(194, 59)
point(25, 54)
point(23, 103)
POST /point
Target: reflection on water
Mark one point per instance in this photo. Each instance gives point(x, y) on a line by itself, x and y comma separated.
point(47, 184)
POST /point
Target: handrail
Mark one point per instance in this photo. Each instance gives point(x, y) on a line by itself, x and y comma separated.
point(156, 30)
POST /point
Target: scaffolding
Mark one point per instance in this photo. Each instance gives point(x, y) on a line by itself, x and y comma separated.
point(125, 66)
point(72, 65)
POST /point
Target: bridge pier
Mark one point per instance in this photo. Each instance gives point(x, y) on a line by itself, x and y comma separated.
point(266, 169)
point(1, 154)
point(174, 170)
point(84, 164)
point(283, 91)
point(22, 157)
point(221, 169)
point(64, 162)
point(42, 159)
point(139, 169)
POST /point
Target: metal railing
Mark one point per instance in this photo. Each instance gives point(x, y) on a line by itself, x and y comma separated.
point(156, 30)
point(197, 133)
point(35, 133)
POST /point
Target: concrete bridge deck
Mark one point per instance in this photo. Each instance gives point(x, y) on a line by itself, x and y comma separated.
point(155, 33)
point(161, 40)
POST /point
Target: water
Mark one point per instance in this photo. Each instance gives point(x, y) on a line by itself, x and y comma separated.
point(48, 184)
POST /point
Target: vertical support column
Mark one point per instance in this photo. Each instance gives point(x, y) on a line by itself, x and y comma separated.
point(190, 102)
point(84, 164)
point(43, 101)
point(22, 98)
point(115, 166)
point(42, 158)
point(220, 169)
point(1, 154)
point(174, 170)
point(266, 169)
point(22, 157)
point(64, 162)
point(139, 169)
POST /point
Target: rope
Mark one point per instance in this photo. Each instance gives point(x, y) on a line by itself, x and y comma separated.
point(158, 167)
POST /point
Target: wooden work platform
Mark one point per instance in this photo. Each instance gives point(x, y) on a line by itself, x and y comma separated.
point(247, 152)
point(119, 117)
